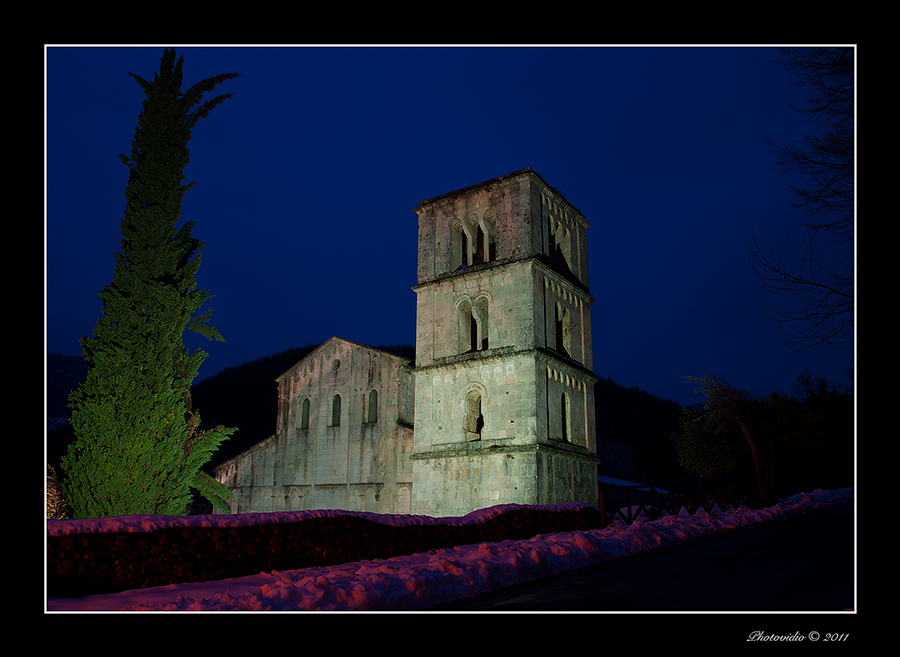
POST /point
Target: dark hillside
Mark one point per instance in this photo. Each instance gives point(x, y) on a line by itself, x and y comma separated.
point(64, 373)
point(245, 396)
point(644, 422)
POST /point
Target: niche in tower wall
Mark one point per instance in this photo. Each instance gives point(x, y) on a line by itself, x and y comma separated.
point(474, 421)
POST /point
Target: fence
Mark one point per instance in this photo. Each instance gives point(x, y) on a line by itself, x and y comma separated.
point(629, 502)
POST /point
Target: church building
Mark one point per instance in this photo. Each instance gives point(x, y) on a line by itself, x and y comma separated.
point(498, 407)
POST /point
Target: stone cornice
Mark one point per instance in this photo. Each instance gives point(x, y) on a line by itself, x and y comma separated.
point(529, 172)
point(539, 260)
point(559, 362)
point(482, 448)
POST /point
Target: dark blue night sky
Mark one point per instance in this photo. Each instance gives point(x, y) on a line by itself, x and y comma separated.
point(307, 180)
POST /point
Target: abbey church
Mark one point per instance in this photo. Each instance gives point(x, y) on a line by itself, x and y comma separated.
point(498, 406)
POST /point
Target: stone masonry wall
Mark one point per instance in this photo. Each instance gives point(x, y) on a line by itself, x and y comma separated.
point(342, 438)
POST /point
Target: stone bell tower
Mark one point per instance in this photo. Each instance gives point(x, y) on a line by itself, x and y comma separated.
point(504, 401)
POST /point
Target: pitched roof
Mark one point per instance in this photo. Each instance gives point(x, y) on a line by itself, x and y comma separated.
point(351, 343)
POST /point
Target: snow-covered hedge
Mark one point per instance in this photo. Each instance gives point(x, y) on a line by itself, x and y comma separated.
point(117, 554)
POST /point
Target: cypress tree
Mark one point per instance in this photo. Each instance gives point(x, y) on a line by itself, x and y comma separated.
point(138, 445)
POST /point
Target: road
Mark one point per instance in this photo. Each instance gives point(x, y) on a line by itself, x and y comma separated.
point(800, 563)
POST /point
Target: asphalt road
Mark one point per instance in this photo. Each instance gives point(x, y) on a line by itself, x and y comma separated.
point(801, 563)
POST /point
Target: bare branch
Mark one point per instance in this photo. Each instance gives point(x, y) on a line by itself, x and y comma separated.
point(817, 279)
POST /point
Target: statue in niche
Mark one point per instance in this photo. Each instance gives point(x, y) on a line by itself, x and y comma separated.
point(474, 419)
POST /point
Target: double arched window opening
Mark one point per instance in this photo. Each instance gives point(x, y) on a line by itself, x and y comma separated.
point(474, 240)
point(473, 325)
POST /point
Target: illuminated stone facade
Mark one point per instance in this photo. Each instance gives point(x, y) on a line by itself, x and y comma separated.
point(504, 409)
point(501, 394)
point(343, 437)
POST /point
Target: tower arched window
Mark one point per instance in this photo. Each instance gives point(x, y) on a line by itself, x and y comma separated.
point(464, 309)
point(473, 325)
point(488, 236)
point(560, 246)
point(563, 330)
point(458, 245)
point(474, 420)
point(472, 239)
point(480, 315)
point(565, 418)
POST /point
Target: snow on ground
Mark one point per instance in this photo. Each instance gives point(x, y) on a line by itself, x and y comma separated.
point(411, 582)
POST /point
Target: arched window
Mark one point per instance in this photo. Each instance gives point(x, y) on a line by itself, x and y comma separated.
point(564, 415)
point(473, 239)
point(481, 246)
point(473, 325)
point(458, 245)
point(489, 232)
point(304, 414)
point(372, 406)
point(468, 330)
point(474, 421)
point(560, 246)
point(480, 314)
point(336, 411)
point(563, 330)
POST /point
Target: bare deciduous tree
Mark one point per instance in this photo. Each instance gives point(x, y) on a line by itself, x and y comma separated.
point(729, 410)
point(818, 276)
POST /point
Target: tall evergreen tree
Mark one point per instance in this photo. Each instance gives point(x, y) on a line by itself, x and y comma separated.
point(138, 445)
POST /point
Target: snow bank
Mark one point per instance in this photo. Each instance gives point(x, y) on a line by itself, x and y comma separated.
point(418, 581)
